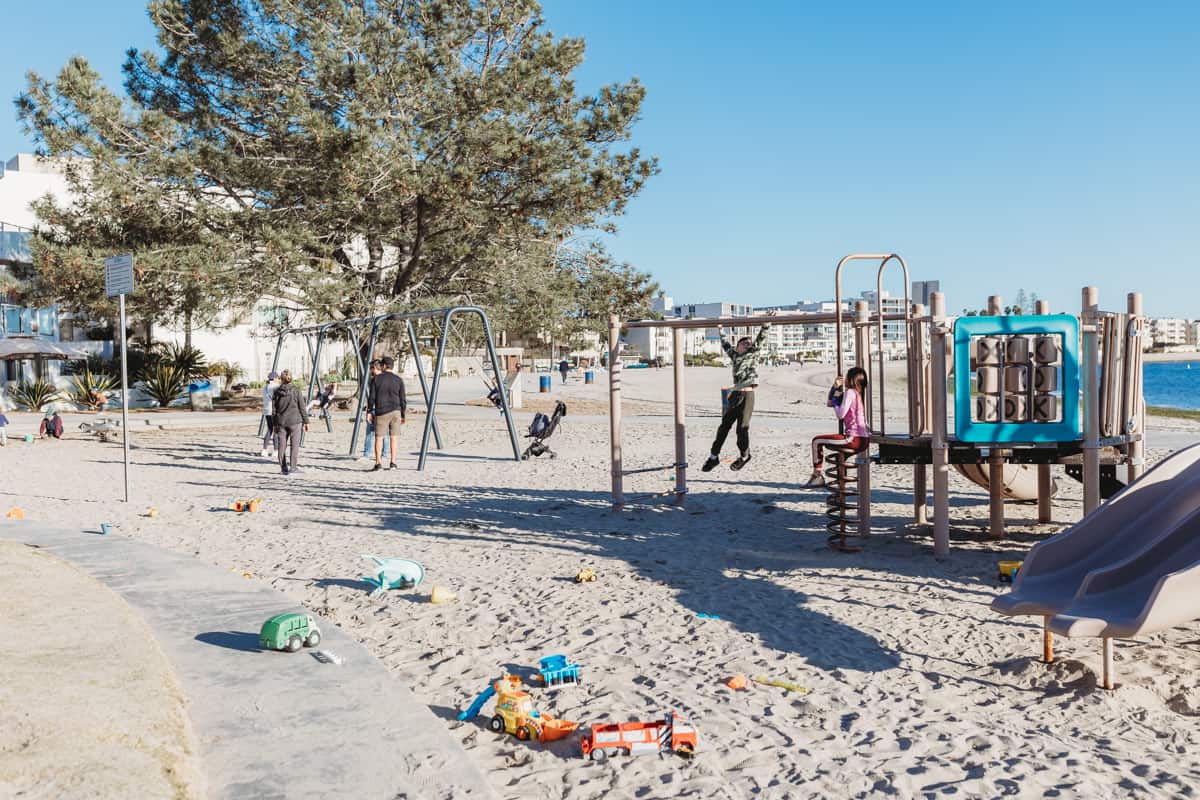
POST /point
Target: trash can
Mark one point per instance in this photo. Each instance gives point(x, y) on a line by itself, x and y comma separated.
point(543, 383)
point(589, 376)
point(200, 395)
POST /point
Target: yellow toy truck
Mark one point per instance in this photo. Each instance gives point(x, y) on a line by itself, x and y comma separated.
point(515, 713)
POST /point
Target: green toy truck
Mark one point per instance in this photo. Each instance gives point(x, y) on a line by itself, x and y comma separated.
point(289, 632)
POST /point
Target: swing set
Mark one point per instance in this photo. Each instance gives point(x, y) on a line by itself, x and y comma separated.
point(315, 337)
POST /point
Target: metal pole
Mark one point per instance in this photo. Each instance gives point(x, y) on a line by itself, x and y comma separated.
point(491, 347)
point(262, 422)
point(907, 339)
point(1045, 485)
point(437, 379)
point(362, 388)
point(124, 395)
point(1108, 662)
point(1091, 408)
point(1047, 642)
point(312, 385)
point(1136, 411)
point(614, 409)
point(939, 444)
point(677, 369)
point(837, 288)
point(862, 352)
point(416, 349)
point(918, 407)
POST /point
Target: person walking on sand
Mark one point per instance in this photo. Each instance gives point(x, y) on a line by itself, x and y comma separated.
point(387, 408)
point(369, 439)
point(268, 416)
point(563, 369)
point(846, 399)
point(744, 357)
point(291, 417)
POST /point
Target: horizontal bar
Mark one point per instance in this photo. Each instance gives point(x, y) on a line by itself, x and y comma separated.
point(657, 494)
point(399, 315)
point(654, 469)
point(750, 322)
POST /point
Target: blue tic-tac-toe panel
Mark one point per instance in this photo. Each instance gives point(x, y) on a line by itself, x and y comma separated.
point(1066, 428)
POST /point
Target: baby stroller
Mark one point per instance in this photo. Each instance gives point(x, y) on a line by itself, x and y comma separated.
point(541, 429)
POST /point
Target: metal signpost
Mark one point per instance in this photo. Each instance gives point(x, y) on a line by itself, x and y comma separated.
point(118, 282)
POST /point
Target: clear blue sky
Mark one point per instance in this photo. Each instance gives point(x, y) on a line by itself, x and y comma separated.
point(995, 146)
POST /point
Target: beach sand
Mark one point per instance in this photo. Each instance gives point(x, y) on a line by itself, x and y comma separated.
point(916, 688)
point(89, 705)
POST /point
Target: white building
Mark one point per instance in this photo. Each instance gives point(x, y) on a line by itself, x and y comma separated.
point(1169, 331)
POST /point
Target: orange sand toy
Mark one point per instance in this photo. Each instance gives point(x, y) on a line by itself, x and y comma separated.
point(736, 682)
point(15, 513)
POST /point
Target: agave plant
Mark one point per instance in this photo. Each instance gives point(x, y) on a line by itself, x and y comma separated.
point(87, 384)
point(34, 395)
point(164, 383)
point(187, 359)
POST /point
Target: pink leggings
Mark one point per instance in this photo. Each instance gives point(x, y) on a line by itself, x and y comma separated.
point(838, 440)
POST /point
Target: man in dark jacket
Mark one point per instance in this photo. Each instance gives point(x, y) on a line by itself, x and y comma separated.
point(290, 418)
point(387, 408)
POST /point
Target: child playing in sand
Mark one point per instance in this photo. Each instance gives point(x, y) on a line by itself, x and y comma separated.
point(846, 399)
point(745, 357)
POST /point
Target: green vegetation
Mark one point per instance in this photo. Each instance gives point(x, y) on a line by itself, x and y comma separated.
point(1175, 413)
point(86, 385)
point(34, 395)
point(164, 383)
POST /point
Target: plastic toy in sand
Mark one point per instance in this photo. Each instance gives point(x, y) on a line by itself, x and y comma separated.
point(670, 734)
point(289, 632)
point(555, 672)
point(515, 714)
point(440, 594)
point(15, 513)
point(736, 682)
point(253, 506)
point(786, 685)
point(394, 573)
point(585, 575)
point(151, 512)
point(1008, 570)
point(106, 528)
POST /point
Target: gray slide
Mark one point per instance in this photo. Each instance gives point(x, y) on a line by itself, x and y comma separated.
point(1131, 566)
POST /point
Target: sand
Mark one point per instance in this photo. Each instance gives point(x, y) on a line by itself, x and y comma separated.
point(916, 688)
point(89, 705)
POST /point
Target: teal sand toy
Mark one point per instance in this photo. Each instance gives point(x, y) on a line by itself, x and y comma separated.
point(394, 573)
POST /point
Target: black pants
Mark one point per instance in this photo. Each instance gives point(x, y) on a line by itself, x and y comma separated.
point(741, 406)
point(283, 436)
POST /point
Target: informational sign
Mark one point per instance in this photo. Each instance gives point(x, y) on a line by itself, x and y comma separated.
point(118, 282)
point(118, 275)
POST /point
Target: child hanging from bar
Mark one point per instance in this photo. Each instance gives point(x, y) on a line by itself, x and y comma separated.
point(744, 357)
point(846, 399)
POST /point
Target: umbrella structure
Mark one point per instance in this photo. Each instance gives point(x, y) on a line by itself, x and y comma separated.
point(20, 348)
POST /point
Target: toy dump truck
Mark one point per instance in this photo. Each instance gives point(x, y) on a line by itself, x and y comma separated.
point(670, 734)
point(289, 632)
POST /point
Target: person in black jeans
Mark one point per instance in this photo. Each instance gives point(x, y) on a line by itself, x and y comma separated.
point(387, 408)
point(290, 418)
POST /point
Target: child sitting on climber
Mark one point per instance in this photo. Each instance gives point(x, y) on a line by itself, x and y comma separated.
point(744, 357)
point(846, 399)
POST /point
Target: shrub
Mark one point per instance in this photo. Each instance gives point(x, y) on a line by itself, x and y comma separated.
point(34, 395)
point(164, 383)
point(189, 360)
point(224, 369)
point(85, 384)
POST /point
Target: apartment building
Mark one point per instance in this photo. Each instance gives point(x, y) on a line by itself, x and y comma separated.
point(1171, 332)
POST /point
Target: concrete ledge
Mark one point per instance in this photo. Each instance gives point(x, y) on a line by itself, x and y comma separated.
point(271, 725)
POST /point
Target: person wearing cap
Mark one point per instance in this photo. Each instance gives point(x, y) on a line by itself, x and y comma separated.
point(268, 416)
point(386, 410)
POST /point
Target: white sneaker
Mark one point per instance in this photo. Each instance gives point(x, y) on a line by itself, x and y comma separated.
point(263, 454)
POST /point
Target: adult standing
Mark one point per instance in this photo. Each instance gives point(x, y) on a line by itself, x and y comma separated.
point(387, 409)
point(369, 439)
point(269, 416)
point(291, 417)
point(563, 369)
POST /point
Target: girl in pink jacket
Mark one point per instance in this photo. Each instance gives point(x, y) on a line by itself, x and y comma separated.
point(850, 410)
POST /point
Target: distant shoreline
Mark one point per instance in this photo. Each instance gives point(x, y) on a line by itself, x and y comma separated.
point(1151, 357)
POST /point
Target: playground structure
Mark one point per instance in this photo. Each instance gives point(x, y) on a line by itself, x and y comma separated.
point(1020, 415)
point(355, 329)
point(1130, 568)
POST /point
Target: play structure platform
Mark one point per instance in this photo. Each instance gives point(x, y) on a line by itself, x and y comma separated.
point(1129, 568)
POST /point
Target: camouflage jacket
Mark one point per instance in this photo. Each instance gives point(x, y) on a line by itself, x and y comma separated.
point(745, 365)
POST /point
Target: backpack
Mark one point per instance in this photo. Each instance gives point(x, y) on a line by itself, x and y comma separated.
point(539, 425)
